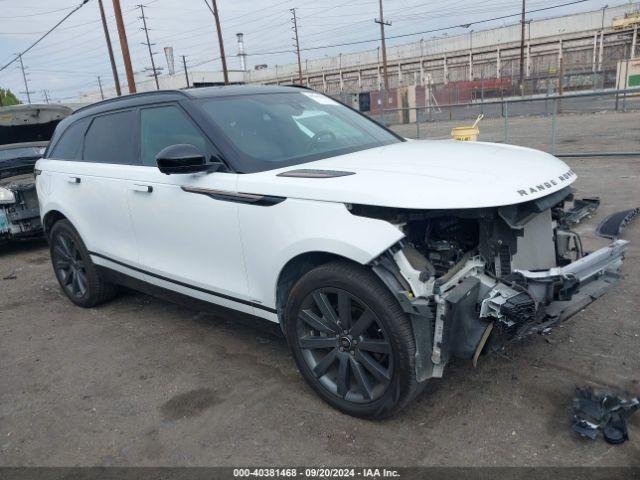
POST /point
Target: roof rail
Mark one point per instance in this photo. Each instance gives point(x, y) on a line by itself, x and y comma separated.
point(128, 96)
point(296, 85)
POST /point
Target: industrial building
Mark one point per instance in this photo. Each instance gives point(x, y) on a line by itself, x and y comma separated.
point(596, 49)
point(585, 49)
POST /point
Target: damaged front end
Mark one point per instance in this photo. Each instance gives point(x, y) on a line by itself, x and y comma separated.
point(477, 277)
point(19, 211)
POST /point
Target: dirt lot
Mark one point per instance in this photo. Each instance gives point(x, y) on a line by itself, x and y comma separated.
point(143, 382)
point(599, 132)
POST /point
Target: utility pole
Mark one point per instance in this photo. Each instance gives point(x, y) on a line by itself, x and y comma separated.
point(24, 77)
point(522, 22)
point(186, 74)
point(384, 48)
point(154, 72)
point(112, 60)
point(100, 85)
point(223, 59)
point(45, 94)
point(294, 19)
point(124, 45)
point(601, 50)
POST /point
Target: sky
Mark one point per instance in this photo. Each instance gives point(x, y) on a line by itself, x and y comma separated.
point(70, 59)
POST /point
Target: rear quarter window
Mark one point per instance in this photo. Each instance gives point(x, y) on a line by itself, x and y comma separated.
point(69, 145)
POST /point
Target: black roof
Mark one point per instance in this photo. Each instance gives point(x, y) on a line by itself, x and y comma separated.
point(138, 99)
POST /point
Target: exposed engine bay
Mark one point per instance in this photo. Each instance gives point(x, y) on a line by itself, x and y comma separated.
point(478, 278)
point(19, 210)
point(25, 131)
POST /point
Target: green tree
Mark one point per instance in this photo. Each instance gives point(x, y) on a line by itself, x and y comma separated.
point(7, 98)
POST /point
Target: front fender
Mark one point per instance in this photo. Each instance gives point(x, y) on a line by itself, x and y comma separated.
point(274, 235)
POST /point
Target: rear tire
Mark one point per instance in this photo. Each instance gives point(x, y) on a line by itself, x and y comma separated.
point(351, 340)
point(78, 276)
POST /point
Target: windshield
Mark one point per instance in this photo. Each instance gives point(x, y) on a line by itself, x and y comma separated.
point(20, 153)
point(268, 131)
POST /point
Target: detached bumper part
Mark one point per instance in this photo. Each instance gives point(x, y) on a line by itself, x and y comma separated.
point(612, 226)
point(594, 411)
point(566, 290)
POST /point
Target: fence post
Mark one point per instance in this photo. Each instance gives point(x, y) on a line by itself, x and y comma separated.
point(417, 123)
point(553, 126)
point(482, 94)
point(384, 106)
point(505, 109)
point(626, 79)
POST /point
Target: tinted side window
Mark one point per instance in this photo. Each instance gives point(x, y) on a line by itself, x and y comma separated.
point(164, 126)
point(70, 143)
point(110, 139)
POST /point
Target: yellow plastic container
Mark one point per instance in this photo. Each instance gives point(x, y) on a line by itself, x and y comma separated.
point(469, 133)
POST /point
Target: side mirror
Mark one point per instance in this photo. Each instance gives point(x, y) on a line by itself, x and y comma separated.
point(182, 158)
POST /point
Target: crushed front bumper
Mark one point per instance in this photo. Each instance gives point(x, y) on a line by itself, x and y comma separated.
point(564, 291)
point(469, 306)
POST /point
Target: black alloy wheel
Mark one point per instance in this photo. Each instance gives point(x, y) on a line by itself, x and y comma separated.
point(81, 280)
point(344, 345)
point(69, 265)
point(351, 340)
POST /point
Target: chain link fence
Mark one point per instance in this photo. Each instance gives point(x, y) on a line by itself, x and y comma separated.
point(581, 123)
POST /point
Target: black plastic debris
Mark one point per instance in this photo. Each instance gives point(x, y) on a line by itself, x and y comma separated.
point(612, 226)
point(593, 411)
point(581, 208)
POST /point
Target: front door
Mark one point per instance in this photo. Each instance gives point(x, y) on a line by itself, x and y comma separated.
point(188, 241)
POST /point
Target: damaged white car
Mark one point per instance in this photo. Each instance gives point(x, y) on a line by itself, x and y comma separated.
point(381, 258)
point(25, 131)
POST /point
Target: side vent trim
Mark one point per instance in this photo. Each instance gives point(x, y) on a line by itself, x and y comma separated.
point(311, 173)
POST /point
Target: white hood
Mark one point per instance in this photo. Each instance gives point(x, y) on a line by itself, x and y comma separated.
point(426, 174)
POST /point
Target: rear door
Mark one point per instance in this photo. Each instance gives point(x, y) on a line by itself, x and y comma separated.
point(189, 242)
point(89, 173)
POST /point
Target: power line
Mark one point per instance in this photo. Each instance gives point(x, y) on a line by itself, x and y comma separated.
point(214, 11)
point(39, 13)
point(383, 45)
point(463, 25)
point(186, 73)
point(100, 86)
point(46, 33)
point(124, 46)
point(294, 20)
point(24, 77)
point(521, 80)
point(112, 60)
point(154, 70)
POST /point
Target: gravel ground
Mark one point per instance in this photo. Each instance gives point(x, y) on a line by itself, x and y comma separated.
point(144, 382)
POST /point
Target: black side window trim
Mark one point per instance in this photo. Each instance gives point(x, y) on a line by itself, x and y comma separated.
point(136, 134)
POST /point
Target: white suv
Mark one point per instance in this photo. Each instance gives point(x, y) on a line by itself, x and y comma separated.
point(381, 258)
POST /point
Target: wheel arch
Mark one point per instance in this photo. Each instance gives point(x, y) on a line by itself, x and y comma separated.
point(295, 269)
point(53, 214)
point(50, 218)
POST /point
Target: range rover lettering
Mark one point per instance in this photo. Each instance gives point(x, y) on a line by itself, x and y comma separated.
point(380, 258)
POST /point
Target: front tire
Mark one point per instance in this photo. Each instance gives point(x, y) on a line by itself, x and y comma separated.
point(351, 340)
point(78, 276)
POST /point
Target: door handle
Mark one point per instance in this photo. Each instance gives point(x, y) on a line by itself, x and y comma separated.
point(73, 179)
point(136, 187)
